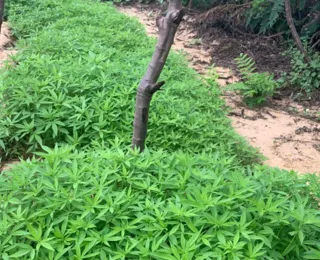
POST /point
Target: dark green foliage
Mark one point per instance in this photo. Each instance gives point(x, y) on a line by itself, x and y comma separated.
point(268, 16)
point(264, 15)
point(305, 76)
point(256, 87)
point(120, 205)
point(76, 81)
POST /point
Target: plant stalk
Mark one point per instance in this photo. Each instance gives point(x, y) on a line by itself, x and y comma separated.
point(148, 86)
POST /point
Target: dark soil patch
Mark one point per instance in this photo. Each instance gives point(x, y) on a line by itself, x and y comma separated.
point(226, 45)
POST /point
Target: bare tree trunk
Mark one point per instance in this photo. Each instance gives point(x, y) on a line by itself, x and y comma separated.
point(294, 33)
point(148, 86)
point(1, 12)
point(189, 4)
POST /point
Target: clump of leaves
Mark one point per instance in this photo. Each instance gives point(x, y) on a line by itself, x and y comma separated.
point(75, 82)
point(112, 204)
point(264, 16)
point(256, 87)
point(304, 76)
point(268, 16)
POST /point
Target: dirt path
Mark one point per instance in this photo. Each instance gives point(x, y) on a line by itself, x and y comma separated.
point(288, 141)
point(5, 44)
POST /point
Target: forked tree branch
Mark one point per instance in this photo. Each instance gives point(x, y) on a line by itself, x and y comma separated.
point(148, 86)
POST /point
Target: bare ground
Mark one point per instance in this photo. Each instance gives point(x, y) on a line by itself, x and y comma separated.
point(286, 132)
point(6, 43)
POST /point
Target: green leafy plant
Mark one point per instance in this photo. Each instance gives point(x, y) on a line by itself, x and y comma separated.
point(265, 15)
point(304, 76)
point(256, 87)
point(113, 204)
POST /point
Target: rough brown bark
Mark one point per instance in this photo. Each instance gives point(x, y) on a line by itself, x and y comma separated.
point(1, 12)
point(148, 86)
point(293, 30)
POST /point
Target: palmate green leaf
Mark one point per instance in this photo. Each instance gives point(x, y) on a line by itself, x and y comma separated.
point(156, 243)
point(36, 233)
point(103, 255)
point(174, 229)
point(221, 238)
point(312, 254)
point(89, 246)
point(190, 225)
point(20, 233)
point(46, 245)
point(20, 253)
point(61, 252)
point(206, 242)
point(191, 242)
point(254, 252)
point(174, 251)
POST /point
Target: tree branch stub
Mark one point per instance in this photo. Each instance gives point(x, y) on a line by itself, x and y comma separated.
point(148, 86)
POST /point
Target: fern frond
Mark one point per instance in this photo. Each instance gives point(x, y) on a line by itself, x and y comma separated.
point(272, 13)
point(277, 9)
point(246, 65)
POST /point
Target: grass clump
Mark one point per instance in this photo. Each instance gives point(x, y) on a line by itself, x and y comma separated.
point(75, 82)
point(112, 204)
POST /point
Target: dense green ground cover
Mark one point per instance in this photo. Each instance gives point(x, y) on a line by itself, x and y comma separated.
point(189, 197)
point(119, 205)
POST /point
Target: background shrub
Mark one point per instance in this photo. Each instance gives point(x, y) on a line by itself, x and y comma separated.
point(305, 76)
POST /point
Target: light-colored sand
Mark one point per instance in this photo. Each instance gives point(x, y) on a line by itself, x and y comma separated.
point(5, 44)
